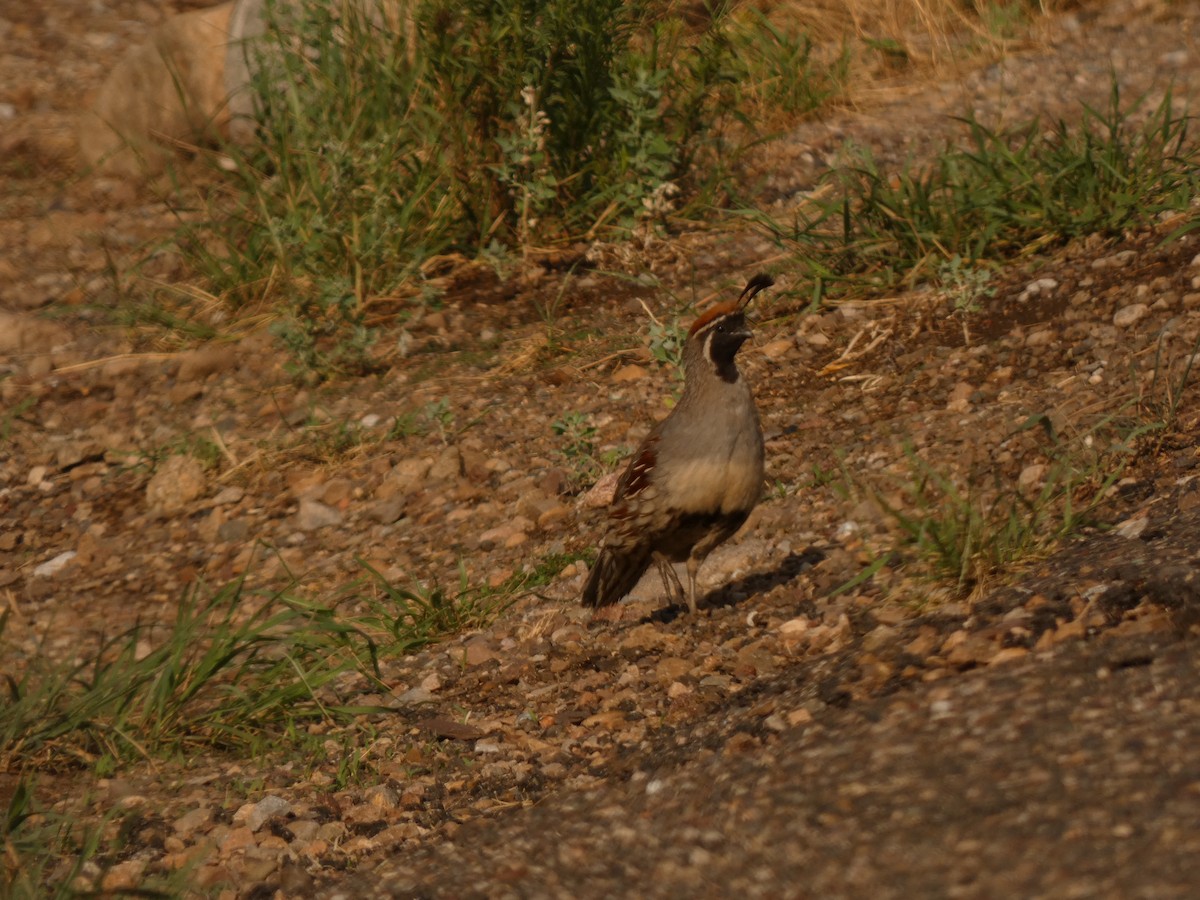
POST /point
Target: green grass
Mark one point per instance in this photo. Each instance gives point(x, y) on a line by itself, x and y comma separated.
point(234, 672)
point(51, 855)
point(784, 70)
point(976, 528)
point(478, 127)
point(1001, 195)
point(488, 128)
point(240, 672)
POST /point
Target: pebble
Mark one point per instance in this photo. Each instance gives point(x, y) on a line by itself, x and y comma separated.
point(960, 397)
point(448, 466)
point(777, 349)
point(255, 815)
point(314, 514)
point(1040, 338)
point(52, 567)
point(176, 483)
point(193, 821)
point(407, 477)
point(228, 495)
point(628, 373)
point(388, 511)
point(198, 364)
point(601, 493)
point(1133, 528)
point(1130, 315)
point(1031, 476)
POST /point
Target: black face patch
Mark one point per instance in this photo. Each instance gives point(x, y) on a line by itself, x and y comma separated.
point(722, 340)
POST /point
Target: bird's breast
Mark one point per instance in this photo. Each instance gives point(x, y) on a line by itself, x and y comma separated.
point(722, 474)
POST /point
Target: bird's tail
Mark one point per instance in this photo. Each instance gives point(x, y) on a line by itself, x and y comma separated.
point(614, 575)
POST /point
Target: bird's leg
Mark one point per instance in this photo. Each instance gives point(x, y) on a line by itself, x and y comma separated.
point(693, 566)
point(671, 585)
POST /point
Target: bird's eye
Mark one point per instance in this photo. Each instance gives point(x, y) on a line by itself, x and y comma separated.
point(721, 327)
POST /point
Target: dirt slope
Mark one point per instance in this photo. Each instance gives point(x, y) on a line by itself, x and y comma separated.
point(888, 740)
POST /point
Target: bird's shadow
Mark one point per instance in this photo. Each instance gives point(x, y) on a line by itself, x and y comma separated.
point(743, 588)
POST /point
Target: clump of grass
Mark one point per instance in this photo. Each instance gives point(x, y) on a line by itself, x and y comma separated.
point(234, 672)
point(1004, 194)
point(976, 530)
point(783, 70)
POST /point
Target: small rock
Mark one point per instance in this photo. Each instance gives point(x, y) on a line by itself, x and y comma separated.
point(237, 839)
point(477, 652)
point(1037, 288)
point(1132, 528)
point(193, 821)
point(1040, 338)
point(776, 349)
point(799, 716)
point(228, 495)
point(337, 492)
point(628, 373)
point(960, 397)
point(314, 514)
point(553, 518)
point(233, 531)
point(601, 493)
point(415, 696)
point(878, 637)
point(775, 722)
point(793, 628)
point(448, 466)
point(389, 511)
point(510, 534)
point(443, 727)
point(52, 567)
point(407, 477)
point(1031, 476)
point(124, 876)
point(255, 815)
point(178, 482)
point(382, 796)
point(198, 364)
point(1008, 654)
point(671, 668)
point(1130, 315)
point(678, 689)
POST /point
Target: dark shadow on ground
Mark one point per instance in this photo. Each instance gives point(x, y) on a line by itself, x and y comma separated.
point(743, 589)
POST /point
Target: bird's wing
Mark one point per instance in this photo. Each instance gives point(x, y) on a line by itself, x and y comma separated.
point(636, 477)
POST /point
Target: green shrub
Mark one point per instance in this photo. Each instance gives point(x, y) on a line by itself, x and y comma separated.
point(486, 124)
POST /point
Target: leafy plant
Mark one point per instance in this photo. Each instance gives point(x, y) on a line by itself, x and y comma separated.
point(666, 341)
point(578, 446)
point(963, 284)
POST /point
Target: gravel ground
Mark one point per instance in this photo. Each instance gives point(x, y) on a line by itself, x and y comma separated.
point(892, 739)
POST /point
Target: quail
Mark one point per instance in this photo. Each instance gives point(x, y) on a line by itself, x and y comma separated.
point(697, 475)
